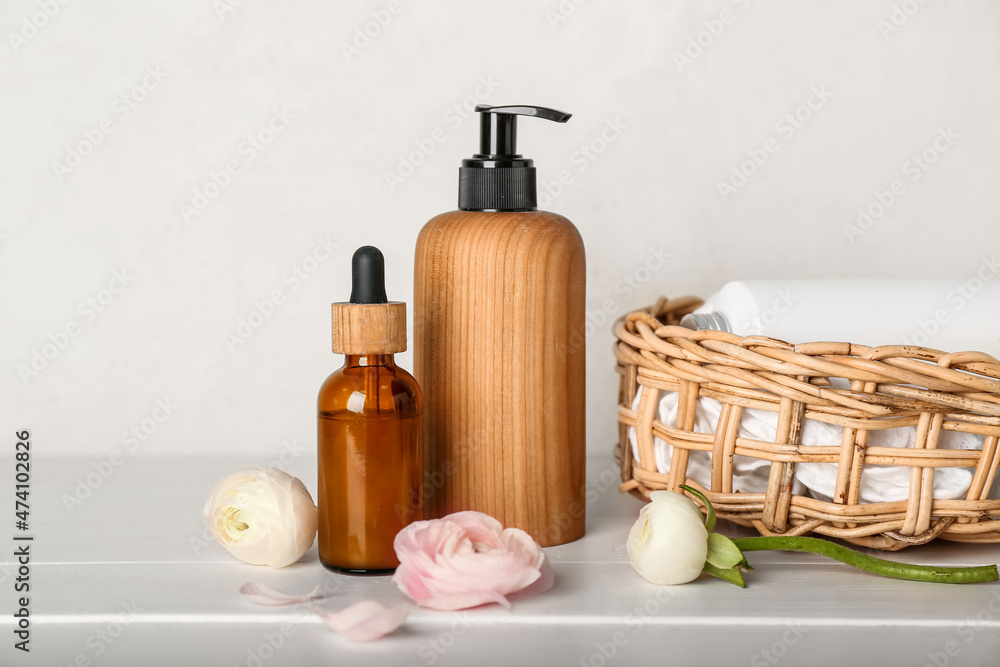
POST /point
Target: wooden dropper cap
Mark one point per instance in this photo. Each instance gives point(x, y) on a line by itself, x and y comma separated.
point(369, 323)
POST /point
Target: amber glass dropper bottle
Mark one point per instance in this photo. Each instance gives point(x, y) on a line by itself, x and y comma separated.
point(370, 432)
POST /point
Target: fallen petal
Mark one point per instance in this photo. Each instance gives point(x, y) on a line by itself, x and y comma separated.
point(366, 620)
point(270, 597)
point(545, 579)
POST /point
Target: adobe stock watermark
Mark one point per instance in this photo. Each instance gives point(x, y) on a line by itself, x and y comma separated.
point(711, 30)
point(785, 128)
point(6, 572)
point(899, 16)
point(985, 619)
point(137, 434)
point(956, 299)
point(913, 169)
point(453, 117)
point(288, 454)
point(86, 312)
point(99, 641)
point(218, 180)
point(294, 277)
point(271, 642)
point(431, 650)
point(784, 300)
point(640, 616)
point(562, 11)
point(32, 24)
point(365, 33)
point(624, 289)
point(121, 107)
point(223, 7)
point(594, 488)
point(582, 158)
point(779, 648)
point(434, 480)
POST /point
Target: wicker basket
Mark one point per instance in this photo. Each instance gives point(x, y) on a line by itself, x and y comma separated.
point(890, 386)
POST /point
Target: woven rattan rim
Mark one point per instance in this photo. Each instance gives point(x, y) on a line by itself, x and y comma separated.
point(890, 386)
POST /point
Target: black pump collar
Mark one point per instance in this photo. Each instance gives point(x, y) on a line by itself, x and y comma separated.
point(498, 178)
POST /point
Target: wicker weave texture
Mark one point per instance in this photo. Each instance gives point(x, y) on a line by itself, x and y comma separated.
point(890, 387)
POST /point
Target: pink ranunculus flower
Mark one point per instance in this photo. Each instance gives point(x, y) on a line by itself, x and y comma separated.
point(467, 559)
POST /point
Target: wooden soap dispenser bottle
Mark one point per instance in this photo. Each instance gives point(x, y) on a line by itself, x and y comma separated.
point(499, 301)
point(370, 434)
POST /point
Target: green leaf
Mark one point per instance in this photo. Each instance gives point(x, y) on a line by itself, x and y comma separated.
point(709, 510)
point(732, 575)
point(722, 553)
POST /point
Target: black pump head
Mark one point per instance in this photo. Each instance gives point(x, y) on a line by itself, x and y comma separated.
point(497, 178)
point(368, 276)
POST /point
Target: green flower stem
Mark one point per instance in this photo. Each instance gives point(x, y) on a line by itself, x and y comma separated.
point(931, 573)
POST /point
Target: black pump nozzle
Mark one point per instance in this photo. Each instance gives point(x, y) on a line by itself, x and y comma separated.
point(368, 276)
point(498, 127)
point(497, 178)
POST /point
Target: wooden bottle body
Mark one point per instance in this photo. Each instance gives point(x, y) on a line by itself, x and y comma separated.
point(499, 301)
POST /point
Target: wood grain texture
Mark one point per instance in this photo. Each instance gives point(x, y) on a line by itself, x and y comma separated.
point(368, 328)
point(499, 351)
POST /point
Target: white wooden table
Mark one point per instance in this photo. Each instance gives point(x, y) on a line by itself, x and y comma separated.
point(131, 578)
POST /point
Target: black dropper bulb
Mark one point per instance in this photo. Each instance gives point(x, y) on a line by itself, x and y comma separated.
point(368, 276)
point(498, 178)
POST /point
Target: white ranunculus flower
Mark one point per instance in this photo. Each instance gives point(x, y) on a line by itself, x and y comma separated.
point(669, 542)
point(263, 516)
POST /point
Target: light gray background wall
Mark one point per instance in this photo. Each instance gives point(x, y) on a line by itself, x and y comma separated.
point(115, 113)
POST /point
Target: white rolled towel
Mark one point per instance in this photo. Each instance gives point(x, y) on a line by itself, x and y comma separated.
point(879, 483)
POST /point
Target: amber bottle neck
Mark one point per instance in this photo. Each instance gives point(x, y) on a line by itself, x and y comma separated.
point(356, 360)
